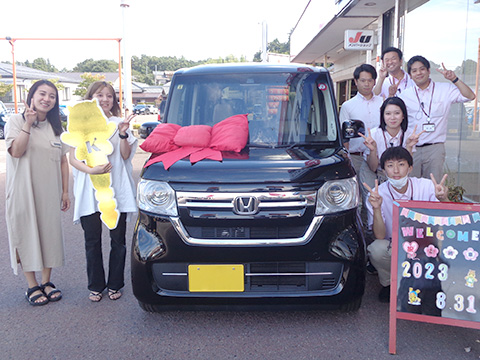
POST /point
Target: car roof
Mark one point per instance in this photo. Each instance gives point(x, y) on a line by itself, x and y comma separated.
point(248, 68)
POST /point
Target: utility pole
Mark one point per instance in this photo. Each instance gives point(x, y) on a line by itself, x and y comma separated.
point(264, 41)
point(127, 61)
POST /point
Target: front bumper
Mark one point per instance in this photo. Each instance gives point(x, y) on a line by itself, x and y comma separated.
point(329, 268)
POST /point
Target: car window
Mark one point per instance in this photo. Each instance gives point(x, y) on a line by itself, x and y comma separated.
point(282, 108)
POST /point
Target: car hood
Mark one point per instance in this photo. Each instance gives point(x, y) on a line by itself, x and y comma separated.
point(258, 165)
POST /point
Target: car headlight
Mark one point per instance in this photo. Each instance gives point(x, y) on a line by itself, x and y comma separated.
point(337, 195)
point(156, 197)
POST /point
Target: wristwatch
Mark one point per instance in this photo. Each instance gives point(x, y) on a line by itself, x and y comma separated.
point(123, 136)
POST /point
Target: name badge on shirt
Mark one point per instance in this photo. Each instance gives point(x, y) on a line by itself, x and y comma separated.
point(56, 144)
point(428, 127)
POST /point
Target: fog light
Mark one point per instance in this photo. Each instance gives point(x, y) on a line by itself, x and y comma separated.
point(149, 246)
point(345, 246)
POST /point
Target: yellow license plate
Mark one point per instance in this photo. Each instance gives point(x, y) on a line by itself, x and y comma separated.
point(216, 278)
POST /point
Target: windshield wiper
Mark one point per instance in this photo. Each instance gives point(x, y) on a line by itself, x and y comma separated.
point(263, 146)
point(291, 146)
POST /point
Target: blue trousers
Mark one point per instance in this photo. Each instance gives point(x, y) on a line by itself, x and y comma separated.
point(92, 228)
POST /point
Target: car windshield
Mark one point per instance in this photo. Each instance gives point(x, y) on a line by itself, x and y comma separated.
point(282, 108)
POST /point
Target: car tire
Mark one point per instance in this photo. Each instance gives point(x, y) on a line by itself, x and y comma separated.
point(149, 307)
point(2, 133)
point(352, 306)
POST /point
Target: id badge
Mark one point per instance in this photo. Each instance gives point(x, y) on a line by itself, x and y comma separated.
point(428, 127)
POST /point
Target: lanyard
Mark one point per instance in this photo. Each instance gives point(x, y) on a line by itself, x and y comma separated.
point(411, 187)
point(421, 103)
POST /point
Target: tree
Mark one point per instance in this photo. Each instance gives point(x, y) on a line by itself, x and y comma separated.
point(96, 66)
point(44, 65)
point(228, 59)
point(276, 47)
point(5, 89)
point(88, 79)
point(39, 64)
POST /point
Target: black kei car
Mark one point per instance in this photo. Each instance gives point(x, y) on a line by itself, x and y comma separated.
point(276, 225)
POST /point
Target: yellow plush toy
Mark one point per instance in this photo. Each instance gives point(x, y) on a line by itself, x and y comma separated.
point(89, 131)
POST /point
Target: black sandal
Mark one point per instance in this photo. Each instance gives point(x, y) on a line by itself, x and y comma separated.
point(32, 300)
point(114, 294)
point(95, 296)
point(50, 296)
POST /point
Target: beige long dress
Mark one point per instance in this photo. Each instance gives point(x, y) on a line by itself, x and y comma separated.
point(33, 198)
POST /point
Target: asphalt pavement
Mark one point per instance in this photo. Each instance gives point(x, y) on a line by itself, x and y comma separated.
point(75, 328)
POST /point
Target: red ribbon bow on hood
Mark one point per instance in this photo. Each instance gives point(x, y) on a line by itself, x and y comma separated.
point(174, 142)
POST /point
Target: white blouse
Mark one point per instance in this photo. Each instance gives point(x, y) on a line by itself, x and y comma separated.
point(122, 181)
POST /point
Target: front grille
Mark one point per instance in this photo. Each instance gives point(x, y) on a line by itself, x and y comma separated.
point(220, 206)
point(237, 232)
point(246, 218)
point(290, 276)
point(268, 277)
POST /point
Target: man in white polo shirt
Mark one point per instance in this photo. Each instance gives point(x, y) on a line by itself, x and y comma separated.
point(428, 105)
point(364, 106)
point(397, 79)
point(397, 164)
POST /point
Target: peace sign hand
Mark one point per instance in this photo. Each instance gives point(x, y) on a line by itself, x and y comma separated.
point(448, 74)
point(392, 90)
point(30, 114)
point(382, 73)
point(375, 199)
point(369, 142)
point(413, 138)
point(125, 124)
point(441, 191)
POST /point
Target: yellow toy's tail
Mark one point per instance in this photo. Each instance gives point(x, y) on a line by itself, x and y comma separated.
point(106, 200)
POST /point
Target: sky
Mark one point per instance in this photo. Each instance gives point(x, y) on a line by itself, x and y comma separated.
point(194, 29)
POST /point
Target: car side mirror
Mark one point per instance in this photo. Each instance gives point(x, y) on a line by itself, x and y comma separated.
point(351, 128)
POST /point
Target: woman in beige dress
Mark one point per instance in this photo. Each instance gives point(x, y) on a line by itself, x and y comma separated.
point(36, 190)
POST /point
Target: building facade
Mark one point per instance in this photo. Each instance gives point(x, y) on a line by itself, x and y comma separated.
point(445, 32)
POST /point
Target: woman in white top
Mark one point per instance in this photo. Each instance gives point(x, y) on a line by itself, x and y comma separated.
point(391, 132)
point(86, 205)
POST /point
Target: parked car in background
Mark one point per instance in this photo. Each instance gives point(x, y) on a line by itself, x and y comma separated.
point(2, 125)
point(63, 114)
point(273, 223)
point(3, 108)
point(146, 128)
point(4, 115)
point(141, 109)
point(153, 109)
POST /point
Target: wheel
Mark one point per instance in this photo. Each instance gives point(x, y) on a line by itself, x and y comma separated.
point(351, 306)
point(148, 307)
point(2, 133)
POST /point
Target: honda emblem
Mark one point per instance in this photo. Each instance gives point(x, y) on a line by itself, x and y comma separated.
point(247, 205)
